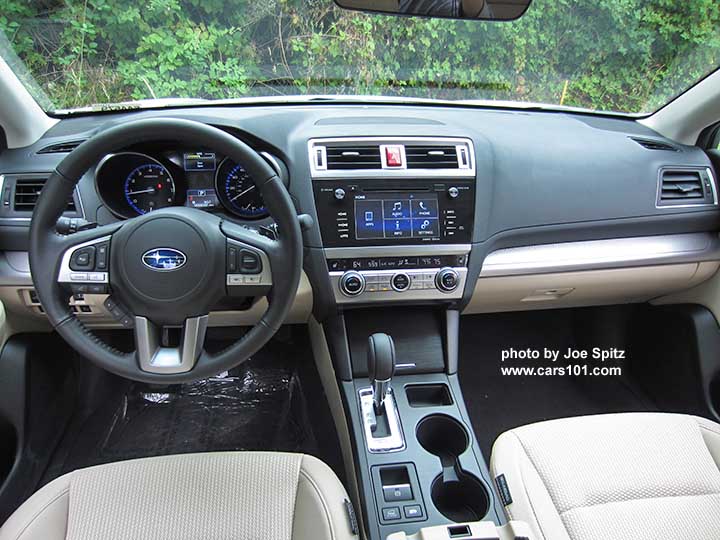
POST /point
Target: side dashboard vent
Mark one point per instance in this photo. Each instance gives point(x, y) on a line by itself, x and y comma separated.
point(60, 148)
point(431, 157)
point(27, 191)
point(652, 144)
point(353, 157)
point(685, 187)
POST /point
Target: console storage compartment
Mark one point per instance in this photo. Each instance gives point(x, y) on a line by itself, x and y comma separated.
point(428, 395)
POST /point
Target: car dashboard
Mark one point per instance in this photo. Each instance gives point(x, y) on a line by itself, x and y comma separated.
point(476, 210)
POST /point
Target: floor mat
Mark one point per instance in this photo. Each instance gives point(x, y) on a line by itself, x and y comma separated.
point(258, 406)
point(499, 402)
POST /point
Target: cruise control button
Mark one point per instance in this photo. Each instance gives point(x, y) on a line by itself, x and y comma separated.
point(250, 262)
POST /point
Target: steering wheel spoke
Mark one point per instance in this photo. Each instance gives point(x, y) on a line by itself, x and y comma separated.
point(153, 357)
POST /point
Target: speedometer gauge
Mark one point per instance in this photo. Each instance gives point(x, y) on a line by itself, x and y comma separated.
point(238, 192)
point(149, 187)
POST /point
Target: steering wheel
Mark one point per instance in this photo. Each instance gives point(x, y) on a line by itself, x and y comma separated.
point(166, 268)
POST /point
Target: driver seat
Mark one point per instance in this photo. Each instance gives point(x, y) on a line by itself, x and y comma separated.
point(208, 496)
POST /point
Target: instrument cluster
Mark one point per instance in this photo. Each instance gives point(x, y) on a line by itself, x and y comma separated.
point(132, 183)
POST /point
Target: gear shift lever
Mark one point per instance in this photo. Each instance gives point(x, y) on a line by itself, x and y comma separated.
point(381, 367)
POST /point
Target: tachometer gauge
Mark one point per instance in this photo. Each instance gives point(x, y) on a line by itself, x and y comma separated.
point(237, 191)
point(149, 187)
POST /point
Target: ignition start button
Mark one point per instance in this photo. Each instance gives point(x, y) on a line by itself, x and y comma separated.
point(400, 282)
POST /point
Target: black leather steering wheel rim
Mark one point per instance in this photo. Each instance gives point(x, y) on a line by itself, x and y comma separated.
point(47, 246)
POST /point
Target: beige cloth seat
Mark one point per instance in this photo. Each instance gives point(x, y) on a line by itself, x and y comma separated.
point(212, 496)
point(632, 476)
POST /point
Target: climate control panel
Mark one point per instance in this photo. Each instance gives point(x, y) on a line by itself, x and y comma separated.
point(414, 276)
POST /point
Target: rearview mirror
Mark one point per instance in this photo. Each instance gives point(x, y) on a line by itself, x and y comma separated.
point(488, 10)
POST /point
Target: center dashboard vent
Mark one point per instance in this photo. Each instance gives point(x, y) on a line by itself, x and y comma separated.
point(431, 157)
point(353, 157)
point(413, 156)
point(685, 187)
point(27, 191)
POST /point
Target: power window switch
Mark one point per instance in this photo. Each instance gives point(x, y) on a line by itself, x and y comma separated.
point(391, 513)
point(397, 492)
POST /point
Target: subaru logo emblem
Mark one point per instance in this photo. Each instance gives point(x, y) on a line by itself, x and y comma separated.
point(164, 259)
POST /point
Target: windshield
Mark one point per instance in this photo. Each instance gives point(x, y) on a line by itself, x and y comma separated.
point(629, 56)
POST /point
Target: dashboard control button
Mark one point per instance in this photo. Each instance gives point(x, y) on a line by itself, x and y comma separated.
point(397, 492)
point(352, 283)
point(391, 514)
point(339, 194)
point(453, 192)
point(400, 282)
point(447, 280)
point(413, 511)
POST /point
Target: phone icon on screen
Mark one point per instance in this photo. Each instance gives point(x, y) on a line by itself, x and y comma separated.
point(422, 206)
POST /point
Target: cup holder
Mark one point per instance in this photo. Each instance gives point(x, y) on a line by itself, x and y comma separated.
point(457, 494)
point(443, 436)
point(460, 501)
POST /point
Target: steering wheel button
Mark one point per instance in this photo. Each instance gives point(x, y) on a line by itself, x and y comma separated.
point(83, 259)
point(78, 277)
point(97, 289)
point(96, 276)
point(249, 262)
point(232, 260)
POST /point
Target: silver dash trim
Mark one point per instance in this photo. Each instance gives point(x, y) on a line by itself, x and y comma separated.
point(601, 254)
point(400, 251)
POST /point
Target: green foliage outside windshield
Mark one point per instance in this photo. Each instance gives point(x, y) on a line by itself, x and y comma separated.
point(622, 55)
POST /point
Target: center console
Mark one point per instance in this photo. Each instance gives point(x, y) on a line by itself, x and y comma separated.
point(396, 220)
point(395, 216)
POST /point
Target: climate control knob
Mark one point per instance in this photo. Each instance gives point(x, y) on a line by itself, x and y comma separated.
point(400, 282)
point(352, 283)
point(447, 280)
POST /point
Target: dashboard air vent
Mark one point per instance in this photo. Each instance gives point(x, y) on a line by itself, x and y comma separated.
point(60, 148)
point(27, 191)
point(685, 187)
point(353, 157)
point(431, 157)
point(652, 144)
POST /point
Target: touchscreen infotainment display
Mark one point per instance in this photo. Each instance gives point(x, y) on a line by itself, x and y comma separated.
point(403, 215)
